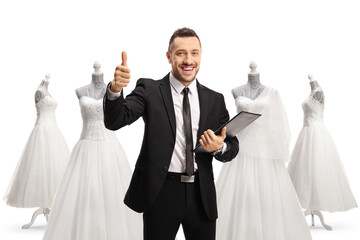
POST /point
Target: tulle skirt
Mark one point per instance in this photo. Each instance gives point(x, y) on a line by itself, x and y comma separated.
point(89, 203)
point(40, 169)
point(256, 201)
point(318, 174)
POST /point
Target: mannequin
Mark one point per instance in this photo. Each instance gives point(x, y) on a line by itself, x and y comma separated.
point(255, 196)
point(253, 88)
point(42, 162)
point(318, 94)
point(42, 90)
point(97, 88)
point(316, 91)
point(89, 200)
point(316, 171)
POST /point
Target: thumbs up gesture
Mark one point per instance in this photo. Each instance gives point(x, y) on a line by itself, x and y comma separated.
point(121, 75)
point(211, 142)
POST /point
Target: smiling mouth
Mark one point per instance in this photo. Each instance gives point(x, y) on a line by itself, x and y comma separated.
point(187, 69)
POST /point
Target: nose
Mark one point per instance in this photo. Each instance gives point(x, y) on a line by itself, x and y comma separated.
point(188, 59)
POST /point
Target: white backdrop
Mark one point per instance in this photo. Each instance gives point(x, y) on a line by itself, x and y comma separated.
point(287, 39)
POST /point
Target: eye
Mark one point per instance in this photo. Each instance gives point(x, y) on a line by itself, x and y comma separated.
point(195, 53)
point(180, 53)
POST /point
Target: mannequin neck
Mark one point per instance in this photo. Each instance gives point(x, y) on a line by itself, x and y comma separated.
point(317, 92)
point(314, 85)
point(44, 85)
point(97, 81)
point(97, 88)
point(254, 81)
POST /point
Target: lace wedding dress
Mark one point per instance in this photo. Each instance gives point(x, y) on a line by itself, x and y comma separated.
point(256, 198)
point(42, 163)
point(89, 203)
point(315, 168)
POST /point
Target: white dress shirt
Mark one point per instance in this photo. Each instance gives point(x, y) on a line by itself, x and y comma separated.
point(178, 162)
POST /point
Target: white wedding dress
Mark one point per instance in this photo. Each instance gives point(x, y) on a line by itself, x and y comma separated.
point(256, 198)
point(42, 162)
point(89, 203)
point(315, 168)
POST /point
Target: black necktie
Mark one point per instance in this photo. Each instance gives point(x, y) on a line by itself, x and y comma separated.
point(188, 133)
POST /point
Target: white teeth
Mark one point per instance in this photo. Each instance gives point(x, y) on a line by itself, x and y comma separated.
point(188, 68)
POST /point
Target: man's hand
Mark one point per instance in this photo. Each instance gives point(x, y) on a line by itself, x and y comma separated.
point(210, 142)
point(121, 75)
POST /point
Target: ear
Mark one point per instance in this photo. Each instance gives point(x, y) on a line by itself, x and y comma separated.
point(168, 57)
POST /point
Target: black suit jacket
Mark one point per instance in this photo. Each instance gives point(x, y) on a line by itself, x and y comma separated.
point(152, 100)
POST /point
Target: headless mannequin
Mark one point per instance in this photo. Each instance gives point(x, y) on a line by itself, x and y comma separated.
point(253, 88)
point(316, 91)
point(318, 94)
point(97, 88)
point(41, 92)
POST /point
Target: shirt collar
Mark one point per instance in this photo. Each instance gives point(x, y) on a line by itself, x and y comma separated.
point(178, 86)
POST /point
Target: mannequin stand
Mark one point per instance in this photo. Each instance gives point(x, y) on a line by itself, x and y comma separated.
point(321, 217)
point(39, 211)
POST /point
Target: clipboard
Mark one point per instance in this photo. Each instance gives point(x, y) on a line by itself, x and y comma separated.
point(233, 126)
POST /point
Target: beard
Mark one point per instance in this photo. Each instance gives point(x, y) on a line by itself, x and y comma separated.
point(180, 78)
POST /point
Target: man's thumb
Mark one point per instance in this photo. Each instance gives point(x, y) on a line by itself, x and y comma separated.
point(223, 132)
point(124, 58)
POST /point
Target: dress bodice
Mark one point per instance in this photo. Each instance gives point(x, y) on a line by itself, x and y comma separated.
point(45, 110)
point(269, 135)
point(93, 119)
point(249, 105)
point(313, 112)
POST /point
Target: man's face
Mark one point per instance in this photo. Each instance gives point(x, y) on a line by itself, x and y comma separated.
point(185, 58)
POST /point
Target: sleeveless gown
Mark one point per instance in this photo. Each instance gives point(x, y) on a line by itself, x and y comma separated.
point(42, 162)
point(89, 203)
point(256, 199)
point(315, 168)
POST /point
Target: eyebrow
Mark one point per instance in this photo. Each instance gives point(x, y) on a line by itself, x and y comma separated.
point(197, 50)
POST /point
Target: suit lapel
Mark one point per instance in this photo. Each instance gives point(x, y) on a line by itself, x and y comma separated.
point(168, 102)
point(203, 109)
point(165, 90)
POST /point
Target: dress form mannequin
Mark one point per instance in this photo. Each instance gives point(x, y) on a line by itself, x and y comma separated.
point(256, 198)
point(42, 90)
point(253, 88)
point(315, 169)
point(40, 93)
point(316, 91)
point(97, 88)
point(318, 94)
point(89, 200)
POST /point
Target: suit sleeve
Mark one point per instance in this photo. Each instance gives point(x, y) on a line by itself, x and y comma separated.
point(231, 142)
point(121, 112)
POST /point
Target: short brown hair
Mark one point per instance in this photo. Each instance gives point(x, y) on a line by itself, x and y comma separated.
point(182, 32)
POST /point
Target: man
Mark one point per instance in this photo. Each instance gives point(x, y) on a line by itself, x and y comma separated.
point(171, 184)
